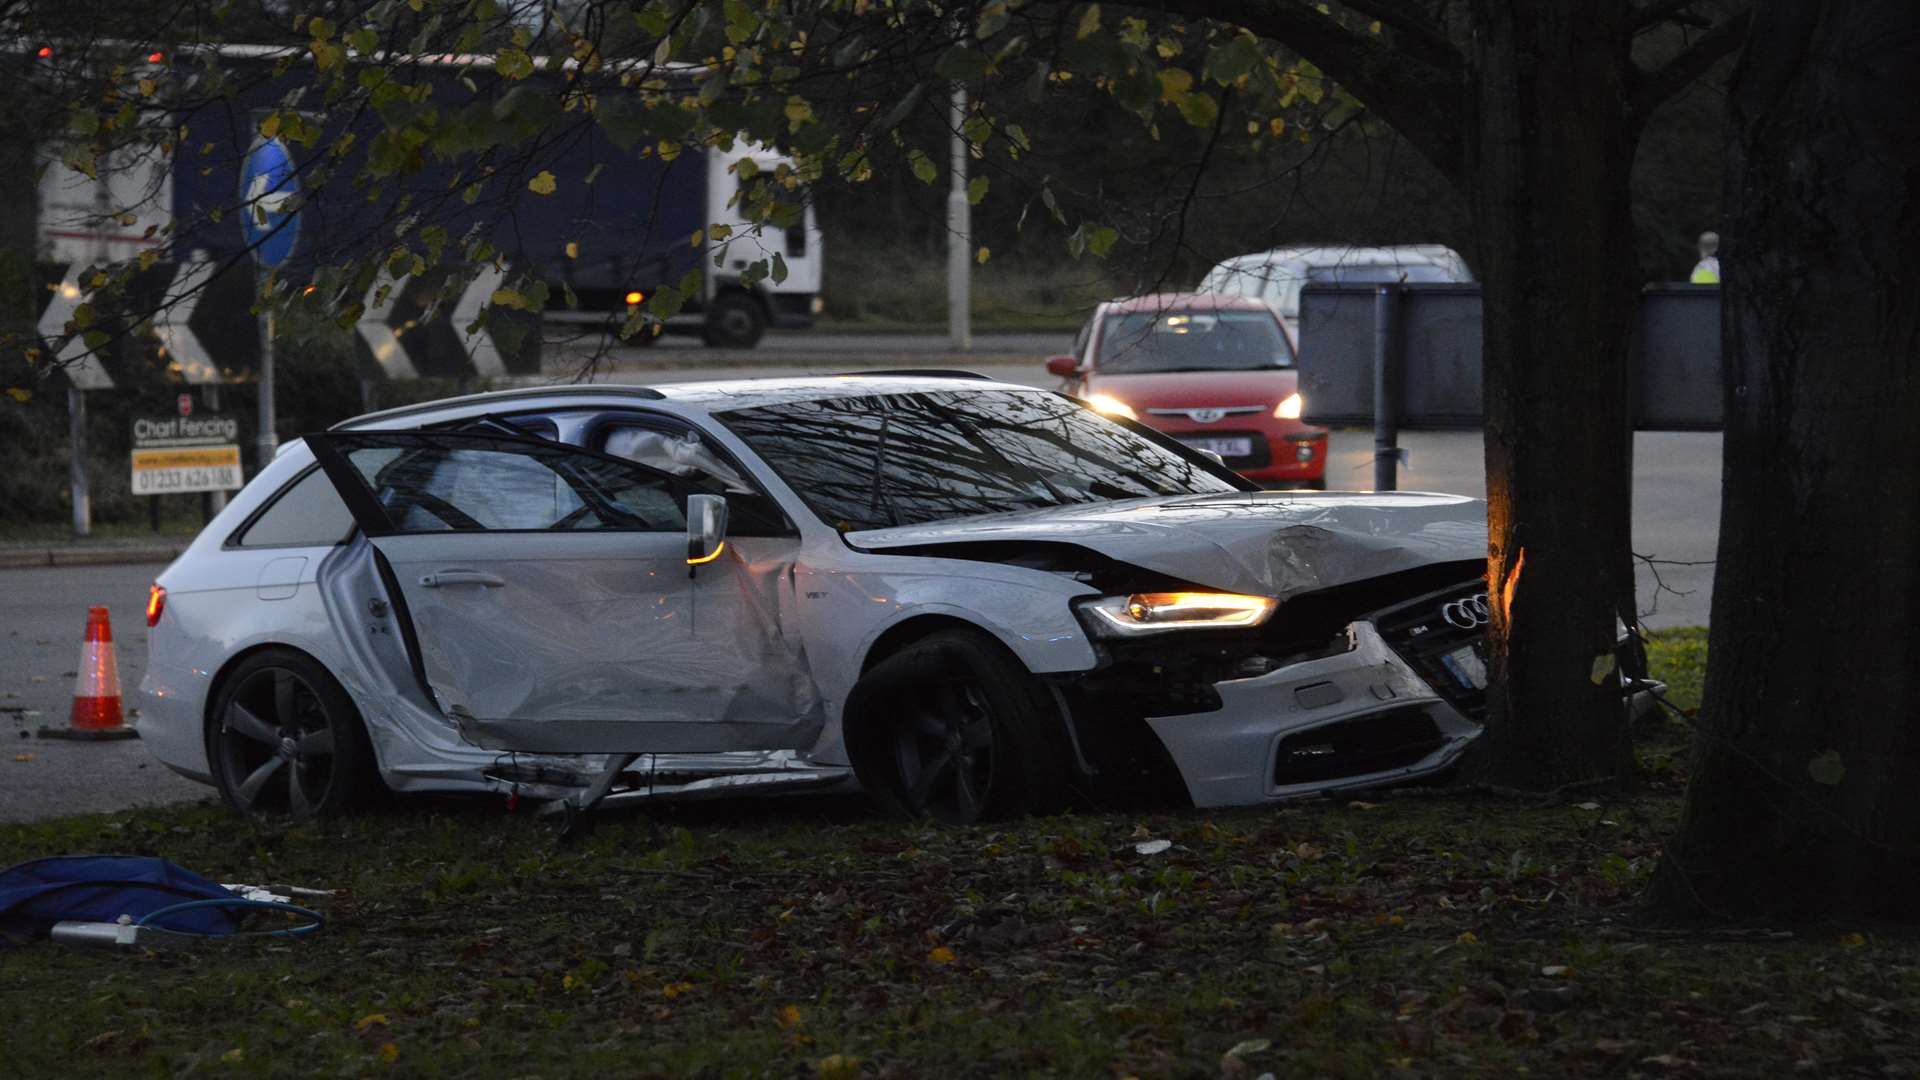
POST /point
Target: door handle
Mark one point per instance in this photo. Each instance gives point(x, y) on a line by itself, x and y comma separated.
point(460, 577)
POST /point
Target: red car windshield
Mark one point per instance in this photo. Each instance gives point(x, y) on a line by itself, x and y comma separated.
point(1148, 341)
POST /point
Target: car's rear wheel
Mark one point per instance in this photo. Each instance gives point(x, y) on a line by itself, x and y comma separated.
point(954, 728)
point(284, 738)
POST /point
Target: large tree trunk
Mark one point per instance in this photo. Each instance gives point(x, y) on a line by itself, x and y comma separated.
point(1549, 152)
point(1802, 803)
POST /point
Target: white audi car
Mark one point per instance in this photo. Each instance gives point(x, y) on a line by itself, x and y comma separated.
point(969, 599)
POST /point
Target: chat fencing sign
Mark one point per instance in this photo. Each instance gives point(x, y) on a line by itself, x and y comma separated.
point(173, 454)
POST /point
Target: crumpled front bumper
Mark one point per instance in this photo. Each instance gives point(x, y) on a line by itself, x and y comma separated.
point(1362, 718)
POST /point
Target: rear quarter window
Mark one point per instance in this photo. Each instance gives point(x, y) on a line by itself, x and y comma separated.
point(306, 513)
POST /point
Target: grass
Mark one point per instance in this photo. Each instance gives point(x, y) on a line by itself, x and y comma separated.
point(1400, 936)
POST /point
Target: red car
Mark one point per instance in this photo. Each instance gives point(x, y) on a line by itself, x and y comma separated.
point(1211, 370)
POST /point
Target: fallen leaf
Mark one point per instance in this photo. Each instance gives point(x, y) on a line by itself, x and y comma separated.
point(675, 989)
point(941, 955)
point(1152, 847)
point(1554, 969)
point(389, 1053)
point(233, 1055)
point(1847, 941)
point(788, 1016)
point(1588, 806)
point(837, 1067)
point(1467, 938)
point(369, 1020)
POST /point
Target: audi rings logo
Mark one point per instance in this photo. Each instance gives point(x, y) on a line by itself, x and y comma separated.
point(1467, 613)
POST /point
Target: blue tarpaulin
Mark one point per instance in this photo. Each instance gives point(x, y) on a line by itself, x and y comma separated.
point(101, 888)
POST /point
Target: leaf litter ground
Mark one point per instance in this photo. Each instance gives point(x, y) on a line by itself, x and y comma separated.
point(1412, 935)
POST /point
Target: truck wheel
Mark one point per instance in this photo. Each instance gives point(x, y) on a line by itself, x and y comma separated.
point(735, 321)
point(954, 728)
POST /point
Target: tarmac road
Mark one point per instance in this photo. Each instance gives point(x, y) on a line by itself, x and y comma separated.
point(43, 610)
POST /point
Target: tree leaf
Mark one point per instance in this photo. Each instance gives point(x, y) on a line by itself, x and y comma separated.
point(1827, 768)
point(1200, 110)
point(543, 183)
point(976, 189)
point(1089, 23)
point(1100, 241)
point(922, 165)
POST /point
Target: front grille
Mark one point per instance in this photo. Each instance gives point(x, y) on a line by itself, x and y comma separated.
point(1419, 631)
point(1357, 747)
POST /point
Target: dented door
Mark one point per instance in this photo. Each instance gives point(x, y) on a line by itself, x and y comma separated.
point(551, 600)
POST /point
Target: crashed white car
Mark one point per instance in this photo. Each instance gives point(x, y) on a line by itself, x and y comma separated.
point(968, 598)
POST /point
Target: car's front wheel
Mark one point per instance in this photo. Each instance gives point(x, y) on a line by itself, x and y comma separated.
point(954, 728)
point(283, 737)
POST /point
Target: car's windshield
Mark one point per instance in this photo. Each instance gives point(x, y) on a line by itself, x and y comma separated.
point(906, 459)
point(1147, 341)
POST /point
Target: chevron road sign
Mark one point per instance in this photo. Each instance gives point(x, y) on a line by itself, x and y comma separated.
point(402, 337)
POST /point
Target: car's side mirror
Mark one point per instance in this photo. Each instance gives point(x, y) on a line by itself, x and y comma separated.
point(706, 529)
point(1064, 366)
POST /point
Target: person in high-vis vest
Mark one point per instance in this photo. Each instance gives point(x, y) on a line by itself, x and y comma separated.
point(1707, 270)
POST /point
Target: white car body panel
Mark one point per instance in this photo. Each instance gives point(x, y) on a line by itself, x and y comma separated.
point(743, 670)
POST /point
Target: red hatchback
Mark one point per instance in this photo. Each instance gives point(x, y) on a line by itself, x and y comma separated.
point(1211, 370)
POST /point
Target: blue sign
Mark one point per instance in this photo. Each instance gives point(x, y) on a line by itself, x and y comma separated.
point(268, 183)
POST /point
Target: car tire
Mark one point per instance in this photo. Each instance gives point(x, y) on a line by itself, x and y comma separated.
point(954, 728)
point(735, 321)
point(283, 737)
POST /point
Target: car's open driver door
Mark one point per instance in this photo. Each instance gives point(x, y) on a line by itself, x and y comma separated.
point(548, 594)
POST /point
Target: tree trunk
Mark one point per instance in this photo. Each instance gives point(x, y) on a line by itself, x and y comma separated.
point(1807, 754)
point(1547, 162)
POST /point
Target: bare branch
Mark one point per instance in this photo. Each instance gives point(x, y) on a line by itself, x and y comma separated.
point(1651, 89)
point(1653, 14)
point(1414, 31)
point(1418, 96)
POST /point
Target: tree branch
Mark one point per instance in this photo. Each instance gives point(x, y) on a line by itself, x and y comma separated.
point(1653, 14)
point(1421, 97)
point(1651, 89)
point(1413, 31)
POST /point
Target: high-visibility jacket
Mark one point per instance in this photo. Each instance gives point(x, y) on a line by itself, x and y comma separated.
point(1706, 271)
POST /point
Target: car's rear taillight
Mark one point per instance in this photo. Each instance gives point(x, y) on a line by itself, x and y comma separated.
point(156, 603)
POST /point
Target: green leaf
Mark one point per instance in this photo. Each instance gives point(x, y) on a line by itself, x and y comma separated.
point(1100, 240)
point(83, 316)
point(976, 189)
point(1089, 22)
point(1827, 768)
point(779, 272)
point(962, 65)
point(1200, 110)
point(543, 183)
point(1237, 57)
point(922, 166)
point(364, 40)
point(513, 63)
point(1175, 85)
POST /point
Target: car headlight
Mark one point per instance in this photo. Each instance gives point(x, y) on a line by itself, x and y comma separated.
point(1112, 406)
point(1290, 409)
point(1148, 613)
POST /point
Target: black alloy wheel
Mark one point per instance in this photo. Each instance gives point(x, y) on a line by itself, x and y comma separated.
point(283, 738)
point(954, 728)
point(943, 751)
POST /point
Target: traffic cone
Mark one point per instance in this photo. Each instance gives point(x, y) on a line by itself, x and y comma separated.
point(97, 713)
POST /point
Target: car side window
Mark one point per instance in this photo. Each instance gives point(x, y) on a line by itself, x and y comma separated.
point(1080, 341)
point(306, 513)
point(469, 482)
point(677, 449)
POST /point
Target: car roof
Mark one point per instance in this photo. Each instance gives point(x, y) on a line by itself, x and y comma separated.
point(1184, 301)
point(718, 395)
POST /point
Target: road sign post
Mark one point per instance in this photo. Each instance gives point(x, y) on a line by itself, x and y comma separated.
point(269, 181)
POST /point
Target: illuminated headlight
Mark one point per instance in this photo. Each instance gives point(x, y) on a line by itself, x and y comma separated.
point(1149, 613)
point(1112, 406)
point(1289, 409)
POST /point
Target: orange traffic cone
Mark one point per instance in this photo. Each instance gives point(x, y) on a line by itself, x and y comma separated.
point(97, 713)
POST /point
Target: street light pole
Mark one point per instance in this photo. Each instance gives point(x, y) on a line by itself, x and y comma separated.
point(959, 233)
